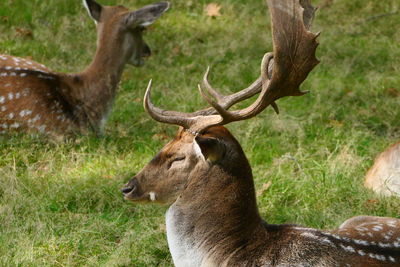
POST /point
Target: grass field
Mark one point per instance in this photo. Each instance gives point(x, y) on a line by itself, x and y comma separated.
point(60, 203)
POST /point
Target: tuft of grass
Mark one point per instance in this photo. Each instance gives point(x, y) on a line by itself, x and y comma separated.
point(60, 204)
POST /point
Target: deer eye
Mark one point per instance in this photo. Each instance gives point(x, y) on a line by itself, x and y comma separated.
point(178, 159)
point(175, 160)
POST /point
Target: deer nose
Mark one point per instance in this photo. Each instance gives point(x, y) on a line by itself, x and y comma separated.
point(130, 187)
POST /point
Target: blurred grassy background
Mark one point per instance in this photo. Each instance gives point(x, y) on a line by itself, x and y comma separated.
point(60, 204)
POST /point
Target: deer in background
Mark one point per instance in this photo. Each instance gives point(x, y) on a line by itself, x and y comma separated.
point(36, 99)
point(384, 176)
point(214, 219)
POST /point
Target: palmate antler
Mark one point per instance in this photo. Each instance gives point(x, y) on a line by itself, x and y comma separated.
point(292, 61)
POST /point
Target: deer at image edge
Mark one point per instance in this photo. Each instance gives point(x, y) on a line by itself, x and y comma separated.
point(384, 175)
point(36, 99)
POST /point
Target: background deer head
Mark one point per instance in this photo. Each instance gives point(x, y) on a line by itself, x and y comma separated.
point(123, 28)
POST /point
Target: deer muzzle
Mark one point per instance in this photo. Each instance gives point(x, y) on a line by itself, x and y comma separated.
point(131, 190)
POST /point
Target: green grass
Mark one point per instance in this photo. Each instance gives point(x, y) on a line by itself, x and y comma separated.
point(59, 202)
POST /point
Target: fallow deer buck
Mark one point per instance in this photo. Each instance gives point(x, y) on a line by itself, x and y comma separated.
point(384, 175)
point(36, 99)
point(214, 220)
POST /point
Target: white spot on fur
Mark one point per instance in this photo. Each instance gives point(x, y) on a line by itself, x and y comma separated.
point(7, 85)
point(377, 228)
point(2, 99)
point(45, 77)
point(361, 229)
point(321, 239)
point(3, 108)
point(387, 235)
point(36, 118)
point(10, 96)
point(391, 223)
point(392, 259)
point(348, 248)
point(23, 74)
point(17, 95)
point(15, 125)
point(42, 128)
point(327, 241)
point(26, 92)
point(10, 116)
point(152, 196)
point(8, 68)
point(384, 245)
point(25, 112)
point(361, 242)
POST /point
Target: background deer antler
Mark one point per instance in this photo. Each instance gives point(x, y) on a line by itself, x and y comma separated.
point(293, 59)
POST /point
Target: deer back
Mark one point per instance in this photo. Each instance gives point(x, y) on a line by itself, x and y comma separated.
point(31, 98)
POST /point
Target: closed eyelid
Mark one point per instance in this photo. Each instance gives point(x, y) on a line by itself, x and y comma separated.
point(175, 160)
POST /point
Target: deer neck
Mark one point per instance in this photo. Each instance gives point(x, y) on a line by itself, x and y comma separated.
point(215, 215)
point(99, 81)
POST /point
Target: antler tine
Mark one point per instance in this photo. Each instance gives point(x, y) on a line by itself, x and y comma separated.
point(210, 89)
point(160, 115)
point(227, 101)
point(192, 123)
point(293, 59)
point(254, 109)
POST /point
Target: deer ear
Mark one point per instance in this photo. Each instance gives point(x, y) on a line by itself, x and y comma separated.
point(94, 9)
point(211, 148)
point(146, 15)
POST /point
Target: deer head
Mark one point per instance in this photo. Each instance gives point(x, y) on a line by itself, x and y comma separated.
point(199, 145)
point(126, 27)
point(185, 157)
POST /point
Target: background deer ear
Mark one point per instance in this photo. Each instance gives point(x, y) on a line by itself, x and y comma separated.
point(146, 15)
point(94, 9)
point(211, 148)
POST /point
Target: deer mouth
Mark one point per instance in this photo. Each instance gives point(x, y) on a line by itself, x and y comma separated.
point(132, 191)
